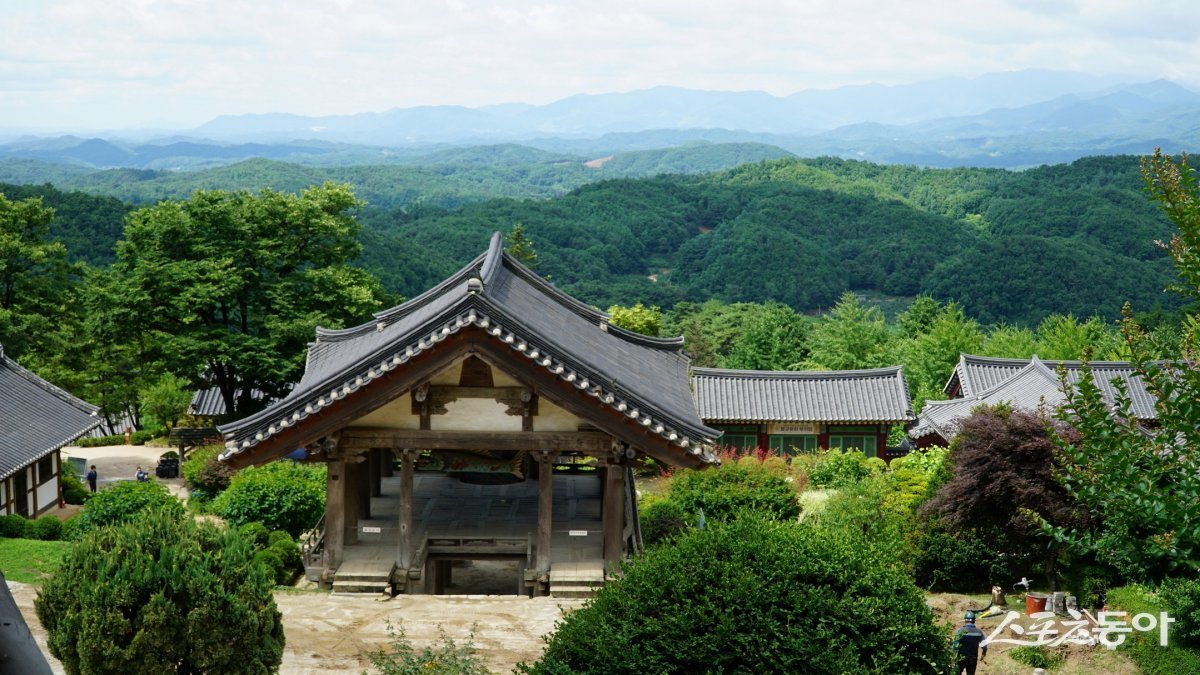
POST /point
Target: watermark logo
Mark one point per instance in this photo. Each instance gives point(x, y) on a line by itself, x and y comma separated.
point(1106, 628)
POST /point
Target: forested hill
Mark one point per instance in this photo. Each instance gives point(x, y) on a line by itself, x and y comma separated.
point(1010, 246)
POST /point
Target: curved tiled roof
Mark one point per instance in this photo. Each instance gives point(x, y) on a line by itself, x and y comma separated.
point(975, 374)
point(644, 378)
point(877, 395)
point(36, 417)
point(1031, 386)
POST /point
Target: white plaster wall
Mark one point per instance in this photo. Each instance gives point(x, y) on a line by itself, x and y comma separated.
point(47, 493)
point(553, 418)
point(395, 414)
point(475, 414)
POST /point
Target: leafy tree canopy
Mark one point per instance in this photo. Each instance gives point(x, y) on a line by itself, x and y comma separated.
point(233, 284)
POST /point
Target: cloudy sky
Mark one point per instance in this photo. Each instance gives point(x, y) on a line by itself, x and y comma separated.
point(112, 64)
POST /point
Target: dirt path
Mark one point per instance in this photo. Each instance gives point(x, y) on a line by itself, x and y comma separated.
point(329, 634)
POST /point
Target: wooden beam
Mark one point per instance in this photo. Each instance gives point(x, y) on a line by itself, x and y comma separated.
point(535, 441)
point(408, 458)
point(545, 510)
point(614, 514)
point(350, 501)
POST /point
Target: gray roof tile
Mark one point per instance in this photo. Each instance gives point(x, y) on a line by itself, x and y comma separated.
point(1031, 386)
point(36, 417)
point(637, 375)
point(878, 395)
point(980, 373)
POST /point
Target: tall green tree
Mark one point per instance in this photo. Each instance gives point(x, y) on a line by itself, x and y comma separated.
point(639, 319)
point(520, 246)
point(774, 337)
point(1143, 484)
point(232, 284)
point(1062, 337)
point(930, 357)
point(1006, 341)
point(36, 281)
point(852, 335)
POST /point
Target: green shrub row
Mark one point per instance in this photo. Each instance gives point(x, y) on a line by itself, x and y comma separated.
point(136, 438)
point(1143, 647)
point(46, 528)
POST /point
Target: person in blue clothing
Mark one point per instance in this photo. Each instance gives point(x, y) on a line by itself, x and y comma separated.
point(968, 640)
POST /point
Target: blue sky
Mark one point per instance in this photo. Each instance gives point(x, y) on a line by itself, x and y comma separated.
point(113, 64)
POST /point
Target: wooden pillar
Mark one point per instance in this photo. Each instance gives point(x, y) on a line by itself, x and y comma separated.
point(375, 471)
point(545, 510)
point(353, 485)
point(335, 514)
point(363, 486)
point(406, 553)
point(614, 514)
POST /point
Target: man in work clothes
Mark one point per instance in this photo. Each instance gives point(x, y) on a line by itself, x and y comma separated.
point(91, 478)
point(967, 642)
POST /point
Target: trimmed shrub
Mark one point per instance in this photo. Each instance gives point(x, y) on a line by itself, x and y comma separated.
point(124, 500)
point(281, 495)
point(256, 533)
point(274, 538)
point(13, 526)
point(752, 595)
point(46, 528)
point(662, 519)
point(838, 469)
point(1151, 657)
point(161, 594)
point(205, 475)
point(1182, 598)
point(289, 553)
point(274, 567)
point(725, 490)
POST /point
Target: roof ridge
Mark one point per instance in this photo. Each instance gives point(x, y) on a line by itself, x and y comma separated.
point(799, 374)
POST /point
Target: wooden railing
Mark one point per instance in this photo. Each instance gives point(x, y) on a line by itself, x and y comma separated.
point(313, 545)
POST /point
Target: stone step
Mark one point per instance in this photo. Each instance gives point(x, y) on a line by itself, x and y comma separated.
point(571, 590)
point(374, 577)
point(359, 588)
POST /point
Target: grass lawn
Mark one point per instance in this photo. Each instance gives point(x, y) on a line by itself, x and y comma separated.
point(27, 560)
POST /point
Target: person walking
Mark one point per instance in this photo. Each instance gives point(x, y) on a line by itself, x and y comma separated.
point(91, 478)
point(968, 640)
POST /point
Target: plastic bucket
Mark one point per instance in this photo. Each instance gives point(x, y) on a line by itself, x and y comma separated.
point(1035, 602)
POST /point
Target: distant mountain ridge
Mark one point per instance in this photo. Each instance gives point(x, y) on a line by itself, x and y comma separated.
point(1008, 120)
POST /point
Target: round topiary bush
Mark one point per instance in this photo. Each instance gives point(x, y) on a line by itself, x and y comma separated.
point(661, 520)
point(752, 596)
point(723, 491)
point(159, 593)
point(281, 495)
point(837, 469)
point(13, 526)
point(46, 528)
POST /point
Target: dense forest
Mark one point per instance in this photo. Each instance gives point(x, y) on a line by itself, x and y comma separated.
point(780, 264)
point(1008, 246)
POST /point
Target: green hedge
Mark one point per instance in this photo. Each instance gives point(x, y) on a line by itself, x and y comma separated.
point(726, 490)
point(1144, 648)
point(752, 595)
point(136, 438)
point(282, 495)
point(122, 501)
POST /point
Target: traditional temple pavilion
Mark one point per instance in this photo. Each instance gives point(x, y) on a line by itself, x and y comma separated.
point(1023, 384)
point(791, 412)
point(512, 411)
point(36, 420)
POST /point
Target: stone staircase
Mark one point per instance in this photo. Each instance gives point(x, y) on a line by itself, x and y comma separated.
point(577, 579)
point(361, 583)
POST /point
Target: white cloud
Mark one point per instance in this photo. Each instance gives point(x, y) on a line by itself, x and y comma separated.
point(121, 63)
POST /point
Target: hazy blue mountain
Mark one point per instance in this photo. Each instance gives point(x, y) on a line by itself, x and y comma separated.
point(590, 115)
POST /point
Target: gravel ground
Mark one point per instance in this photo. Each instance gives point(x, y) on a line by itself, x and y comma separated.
point(329, 634)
